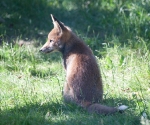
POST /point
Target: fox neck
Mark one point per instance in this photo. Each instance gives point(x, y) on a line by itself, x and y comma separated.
point(67, 48)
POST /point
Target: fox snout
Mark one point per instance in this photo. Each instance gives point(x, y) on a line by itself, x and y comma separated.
point(46, 49)
point(51, 46)
point(43, 50)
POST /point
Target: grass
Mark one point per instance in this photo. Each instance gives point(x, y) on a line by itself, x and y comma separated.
point(31, 83)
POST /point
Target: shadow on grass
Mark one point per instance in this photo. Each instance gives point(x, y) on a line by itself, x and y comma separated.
point(60, 113)
point(30, 20)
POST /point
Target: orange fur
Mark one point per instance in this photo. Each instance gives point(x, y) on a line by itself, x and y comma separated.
point(83, 84)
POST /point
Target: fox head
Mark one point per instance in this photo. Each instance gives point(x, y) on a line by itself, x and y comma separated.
point(57, 37)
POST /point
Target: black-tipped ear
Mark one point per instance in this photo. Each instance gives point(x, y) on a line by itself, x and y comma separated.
point(54, 19)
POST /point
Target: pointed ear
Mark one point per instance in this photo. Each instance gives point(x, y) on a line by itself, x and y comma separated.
point(57, 24)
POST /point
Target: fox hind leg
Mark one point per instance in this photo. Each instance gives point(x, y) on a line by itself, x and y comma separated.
point(68, 94)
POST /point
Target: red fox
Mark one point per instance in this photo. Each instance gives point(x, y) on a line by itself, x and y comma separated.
point(83, 84)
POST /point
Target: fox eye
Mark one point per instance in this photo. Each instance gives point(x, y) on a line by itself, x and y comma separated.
point(50, 40)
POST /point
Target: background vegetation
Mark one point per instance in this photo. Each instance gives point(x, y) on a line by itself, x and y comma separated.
point(118, 31)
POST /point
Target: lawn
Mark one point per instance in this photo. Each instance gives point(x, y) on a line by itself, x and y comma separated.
point(31, 82)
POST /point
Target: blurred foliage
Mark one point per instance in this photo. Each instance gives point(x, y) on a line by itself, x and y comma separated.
point(103, 19)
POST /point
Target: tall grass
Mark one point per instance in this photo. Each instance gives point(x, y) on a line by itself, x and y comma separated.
point(107, 18)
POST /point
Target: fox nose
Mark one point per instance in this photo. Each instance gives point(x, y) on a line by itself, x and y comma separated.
point(40, 50)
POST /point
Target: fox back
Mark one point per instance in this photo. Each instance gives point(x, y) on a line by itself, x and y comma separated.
point(83, 84)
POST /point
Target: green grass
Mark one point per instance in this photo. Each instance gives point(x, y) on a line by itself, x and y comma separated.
point(31, 83)
point(106, 18)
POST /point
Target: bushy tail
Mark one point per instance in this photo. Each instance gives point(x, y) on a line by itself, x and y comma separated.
point(101, 109)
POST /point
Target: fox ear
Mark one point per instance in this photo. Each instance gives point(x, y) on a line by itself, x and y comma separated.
point(57, 24)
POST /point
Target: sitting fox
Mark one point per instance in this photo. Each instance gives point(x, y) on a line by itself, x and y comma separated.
point(83, 84)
